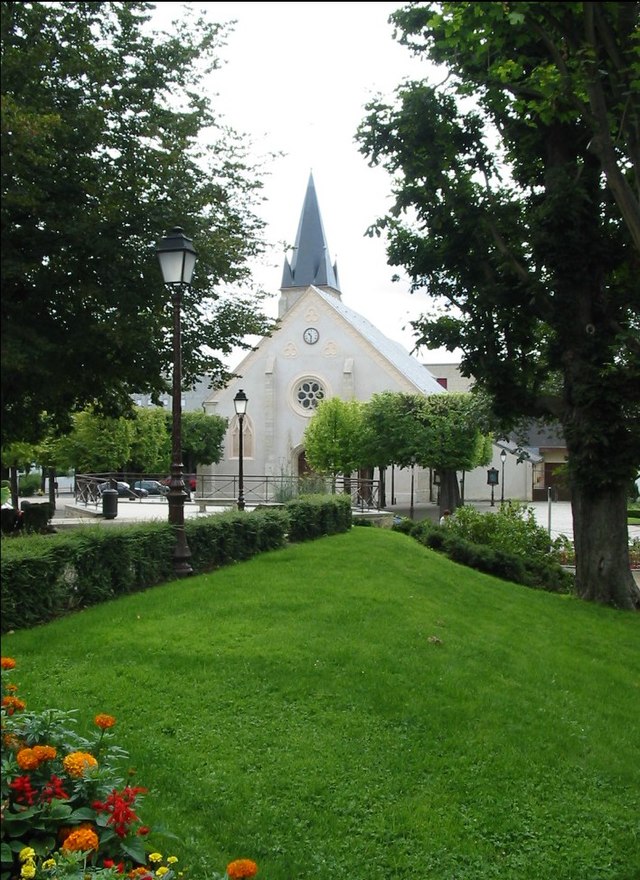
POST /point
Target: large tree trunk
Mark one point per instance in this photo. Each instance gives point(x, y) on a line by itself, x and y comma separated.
point(603, 572)
point(449, 491)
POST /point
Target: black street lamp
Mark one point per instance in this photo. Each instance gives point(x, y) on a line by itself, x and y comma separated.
point(240, 402)
point(492, 480)
point(503, 458)
point(177, 258)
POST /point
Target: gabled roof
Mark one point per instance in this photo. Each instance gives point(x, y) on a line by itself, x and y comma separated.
point(398, 356)
point(310, 263)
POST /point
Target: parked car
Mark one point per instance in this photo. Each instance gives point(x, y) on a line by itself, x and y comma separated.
point(189, 481)
point(152, 487)
point(124, 490)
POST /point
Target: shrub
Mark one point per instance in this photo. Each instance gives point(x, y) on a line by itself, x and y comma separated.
point(29, 484)
point(512, 528)
point(67, 812)
point(533, 571)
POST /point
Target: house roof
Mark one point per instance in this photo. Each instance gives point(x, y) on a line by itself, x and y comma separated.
point(398, 356)
point(310, 263)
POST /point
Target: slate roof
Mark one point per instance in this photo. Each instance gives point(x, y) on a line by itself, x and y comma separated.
point(310, 263)
point(395, 353)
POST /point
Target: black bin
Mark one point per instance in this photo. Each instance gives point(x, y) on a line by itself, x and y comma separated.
point(110, 503)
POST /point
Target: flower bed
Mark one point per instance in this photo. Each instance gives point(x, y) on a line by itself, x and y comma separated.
point(67, 813)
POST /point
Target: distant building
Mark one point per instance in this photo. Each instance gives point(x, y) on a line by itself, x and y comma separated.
point(322, 349)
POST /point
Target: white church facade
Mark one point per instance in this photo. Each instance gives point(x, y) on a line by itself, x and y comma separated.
point(321, 349)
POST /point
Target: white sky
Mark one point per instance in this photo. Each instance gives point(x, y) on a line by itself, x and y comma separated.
point(296, 79)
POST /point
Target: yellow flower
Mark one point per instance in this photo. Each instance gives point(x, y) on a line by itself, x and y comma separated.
point(162, 871)
point(26, 853)
point(48, 864)
point(155, 857)
point(172, 860)
point(77, 762)
point(28, 871)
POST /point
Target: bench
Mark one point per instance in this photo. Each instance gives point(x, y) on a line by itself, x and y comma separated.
point(203, 503)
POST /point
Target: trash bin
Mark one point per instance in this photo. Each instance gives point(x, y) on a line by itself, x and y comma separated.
point(110, 503)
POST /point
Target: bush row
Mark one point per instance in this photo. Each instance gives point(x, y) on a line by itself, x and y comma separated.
point(531, 571)
point(47, 576)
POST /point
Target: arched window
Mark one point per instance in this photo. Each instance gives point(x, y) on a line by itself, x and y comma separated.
point(247, 437)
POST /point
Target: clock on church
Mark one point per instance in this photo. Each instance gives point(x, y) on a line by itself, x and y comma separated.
point(311, 335)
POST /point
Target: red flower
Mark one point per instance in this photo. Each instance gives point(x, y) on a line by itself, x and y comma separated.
point(24, 791)
point(53, 790)
point(119, 805)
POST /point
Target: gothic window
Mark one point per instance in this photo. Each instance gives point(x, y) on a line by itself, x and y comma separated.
point(247, 437)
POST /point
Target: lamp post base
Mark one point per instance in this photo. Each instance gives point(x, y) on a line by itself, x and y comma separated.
point(181, 552)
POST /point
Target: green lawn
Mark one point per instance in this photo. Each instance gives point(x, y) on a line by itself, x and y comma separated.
point(359, 707)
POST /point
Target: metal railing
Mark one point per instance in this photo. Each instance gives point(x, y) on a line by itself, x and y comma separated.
point(224, 488)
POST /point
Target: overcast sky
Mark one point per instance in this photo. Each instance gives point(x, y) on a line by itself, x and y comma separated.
point(296, 79)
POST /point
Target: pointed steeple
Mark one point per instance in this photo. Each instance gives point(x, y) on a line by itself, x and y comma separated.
point(310, 263)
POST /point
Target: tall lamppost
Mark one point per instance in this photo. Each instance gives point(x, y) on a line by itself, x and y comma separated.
point(177, 258)
point(503, 458)
point(240, 402)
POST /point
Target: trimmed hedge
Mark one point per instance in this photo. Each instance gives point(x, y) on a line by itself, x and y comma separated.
point(540, 573)
point(48, 576)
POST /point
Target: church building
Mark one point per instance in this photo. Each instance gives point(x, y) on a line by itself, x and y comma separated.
point(320, 349)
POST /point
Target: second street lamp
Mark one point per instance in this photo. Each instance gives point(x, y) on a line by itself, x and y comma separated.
point(177, 258)
point(503, 458)
point(240, 402)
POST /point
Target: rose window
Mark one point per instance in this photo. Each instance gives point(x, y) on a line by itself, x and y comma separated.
point(308, 394)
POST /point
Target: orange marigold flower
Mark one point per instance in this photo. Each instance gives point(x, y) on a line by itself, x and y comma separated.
point(12, 741)
point(11, 688)
point(12, 704)
point(7, 663)
point(77, 762)
point(104, 721)
point(240, 868)
point(81, 840)
point(27, 759)
point(139, 872)
point(44, 753)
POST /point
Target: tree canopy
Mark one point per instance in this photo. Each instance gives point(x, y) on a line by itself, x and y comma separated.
point(109, 139)
point(333, 437)
point(516, 210)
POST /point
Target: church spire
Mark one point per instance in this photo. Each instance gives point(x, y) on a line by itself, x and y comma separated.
point(310, 263)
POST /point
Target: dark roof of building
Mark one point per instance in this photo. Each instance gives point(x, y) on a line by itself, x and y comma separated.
point(310, 263)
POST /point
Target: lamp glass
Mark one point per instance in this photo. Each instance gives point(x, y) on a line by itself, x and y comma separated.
point(503, 456)
point(240, 402)
point(177, 257)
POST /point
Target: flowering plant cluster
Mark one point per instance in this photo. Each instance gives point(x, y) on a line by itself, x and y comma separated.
point(67, 811)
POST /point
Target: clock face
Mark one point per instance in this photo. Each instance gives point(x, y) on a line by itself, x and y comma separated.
point(311, 335)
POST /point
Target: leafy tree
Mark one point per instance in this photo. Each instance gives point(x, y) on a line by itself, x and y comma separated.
point(529, 248)
point(97, 443)
point(332, 437)
point(15, 457)
point(150, 451)
point(446, 432)
point(109, 139)
point(202, 439)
